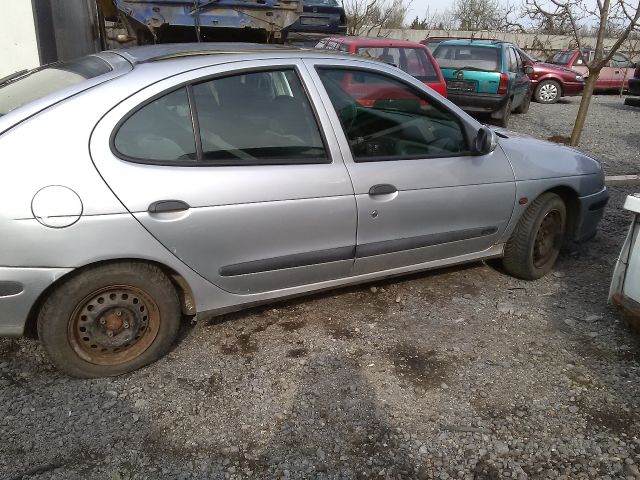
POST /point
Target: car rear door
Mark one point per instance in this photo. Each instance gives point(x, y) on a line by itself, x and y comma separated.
point(517, 78)
point(421, 197)
point(259, 200)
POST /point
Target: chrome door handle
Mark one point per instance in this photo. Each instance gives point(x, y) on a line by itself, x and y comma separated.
point(382, 189)
point(163, 206)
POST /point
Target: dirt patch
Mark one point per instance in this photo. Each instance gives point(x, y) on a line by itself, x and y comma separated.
point(292, 325)
point(297, 352)
point(421, 367)
point(243, 345)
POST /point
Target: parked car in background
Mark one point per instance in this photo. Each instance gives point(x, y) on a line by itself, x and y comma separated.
point(318, 17)
point(485, 77)
point(625, 284)
point(183, 179)
point(413, 58)
point(550, 82)
point(613, 76)
point(634, 89)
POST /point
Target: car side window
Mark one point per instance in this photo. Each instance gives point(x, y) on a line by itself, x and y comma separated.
point(620, 61)
point(386, 119)
point(257, 118)
point(513, 62)
point(161, 131)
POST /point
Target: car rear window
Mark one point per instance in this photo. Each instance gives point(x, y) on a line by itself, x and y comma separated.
point(414, 61)
point(24, 88)
point(463, 56)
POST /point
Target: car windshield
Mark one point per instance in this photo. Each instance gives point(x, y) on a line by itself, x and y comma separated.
point(26, 87)
point(412, 60)
point(561, 58)
point(475, 56)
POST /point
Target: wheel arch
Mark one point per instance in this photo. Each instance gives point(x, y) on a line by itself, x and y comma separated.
point(570, 198)
point(182, 287)
point(553, 79)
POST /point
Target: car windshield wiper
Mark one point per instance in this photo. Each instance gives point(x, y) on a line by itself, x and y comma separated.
point(474, 69)
point(13, 76)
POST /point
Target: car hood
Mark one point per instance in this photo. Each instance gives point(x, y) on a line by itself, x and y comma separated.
point(552, 66)
point(533, 159)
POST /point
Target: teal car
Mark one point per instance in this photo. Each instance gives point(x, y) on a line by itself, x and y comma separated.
point(485, 77)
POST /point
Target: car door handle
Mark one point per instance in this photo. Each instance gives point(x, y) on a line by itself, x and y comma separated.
point(382, 189)
point(163, 206)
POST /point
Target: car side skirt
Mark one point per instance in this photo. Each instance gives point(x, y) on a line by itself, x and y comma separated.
point(495, 251)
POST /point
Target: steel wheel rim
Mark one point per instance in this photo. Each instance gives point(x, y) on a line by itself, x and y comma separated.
point(547, 239)
point(548, 92)
point(113, 325)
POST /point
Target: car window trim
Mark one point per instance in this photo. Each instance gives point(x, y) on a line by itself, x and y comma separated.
point(200, 161)
point(429, 99)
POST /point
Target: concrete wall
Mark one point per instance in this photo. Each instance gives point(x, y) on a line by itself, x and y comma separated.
point(18, 45)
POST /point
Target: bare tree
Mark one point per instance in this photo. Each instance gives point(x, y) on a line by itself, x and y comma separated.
point(493, 15)
point(435, 21)
point(621, 16)
point(369, 17)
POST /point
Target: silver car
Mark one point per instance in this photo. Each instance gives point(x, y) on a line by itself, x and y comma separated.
point(144, 185)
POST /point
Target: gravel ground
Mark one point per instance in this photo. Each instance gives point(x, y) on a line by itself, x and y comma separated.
point(459, 373)
point(610, 132)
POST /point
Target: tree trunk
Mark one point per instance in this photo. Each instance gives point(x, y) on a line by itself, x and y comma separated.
point(584, 108)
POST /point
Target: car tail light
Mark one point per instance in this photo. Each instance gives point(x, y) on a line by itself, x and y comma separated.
point(504, 84)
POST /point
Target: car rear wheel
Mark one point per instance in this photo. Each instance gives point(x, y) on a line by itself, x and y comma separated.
point(535, 243)
point(526, 103)
point(503, 115)
point(110, 320)
point(548, 91)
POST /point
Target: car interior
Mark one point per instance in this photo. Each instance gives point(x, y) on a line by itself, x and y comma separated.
point(393, 121)
point(262, 116)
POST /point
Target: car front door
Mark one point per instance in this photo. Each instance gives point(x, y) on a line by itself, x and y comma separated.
point(236, 173)
point(421, 195)
point(623, 70)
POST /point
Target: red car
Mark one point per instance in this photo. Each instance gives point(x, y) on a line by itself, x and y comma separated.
point(612, 77)
point(550, 82)
point(413, 58)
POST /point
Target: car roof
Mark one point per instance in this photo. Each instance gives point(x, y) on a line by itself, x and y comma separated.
point(150, 53)
point(476, 43)
point(389, 42)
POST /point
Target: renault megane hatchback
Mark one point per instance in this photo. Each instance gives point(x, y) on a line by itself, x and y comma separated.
point(142, 185)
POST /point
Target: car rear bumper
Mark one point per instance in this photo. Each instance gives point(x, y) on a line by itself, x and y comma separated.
point(477, 102)
point(591, 211)
point(20, 288)
point(634, 86)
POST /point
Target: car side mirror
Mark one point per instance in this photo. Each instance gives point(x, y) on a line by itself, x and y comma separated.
point(528, 69)
point(485, 142)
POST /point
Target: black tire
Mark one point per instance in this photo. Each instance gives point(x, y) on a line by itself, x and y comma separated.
point(535, 243)
point(548, 92)
point(526, 103)
point(502, 117)
point(110, 319)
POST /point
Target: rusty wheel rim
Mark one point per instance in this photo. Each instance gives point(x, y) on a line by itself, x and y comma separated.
point(114, 325)
point(548, 239)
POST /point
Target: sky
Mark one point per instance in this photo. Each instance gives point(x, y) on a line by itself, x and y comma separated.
point(419, 7)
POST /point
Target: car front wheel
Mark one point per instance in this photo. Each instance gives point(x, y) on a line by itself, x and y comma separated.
point(535, 243)
point(110, 320)
point(547, 91)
